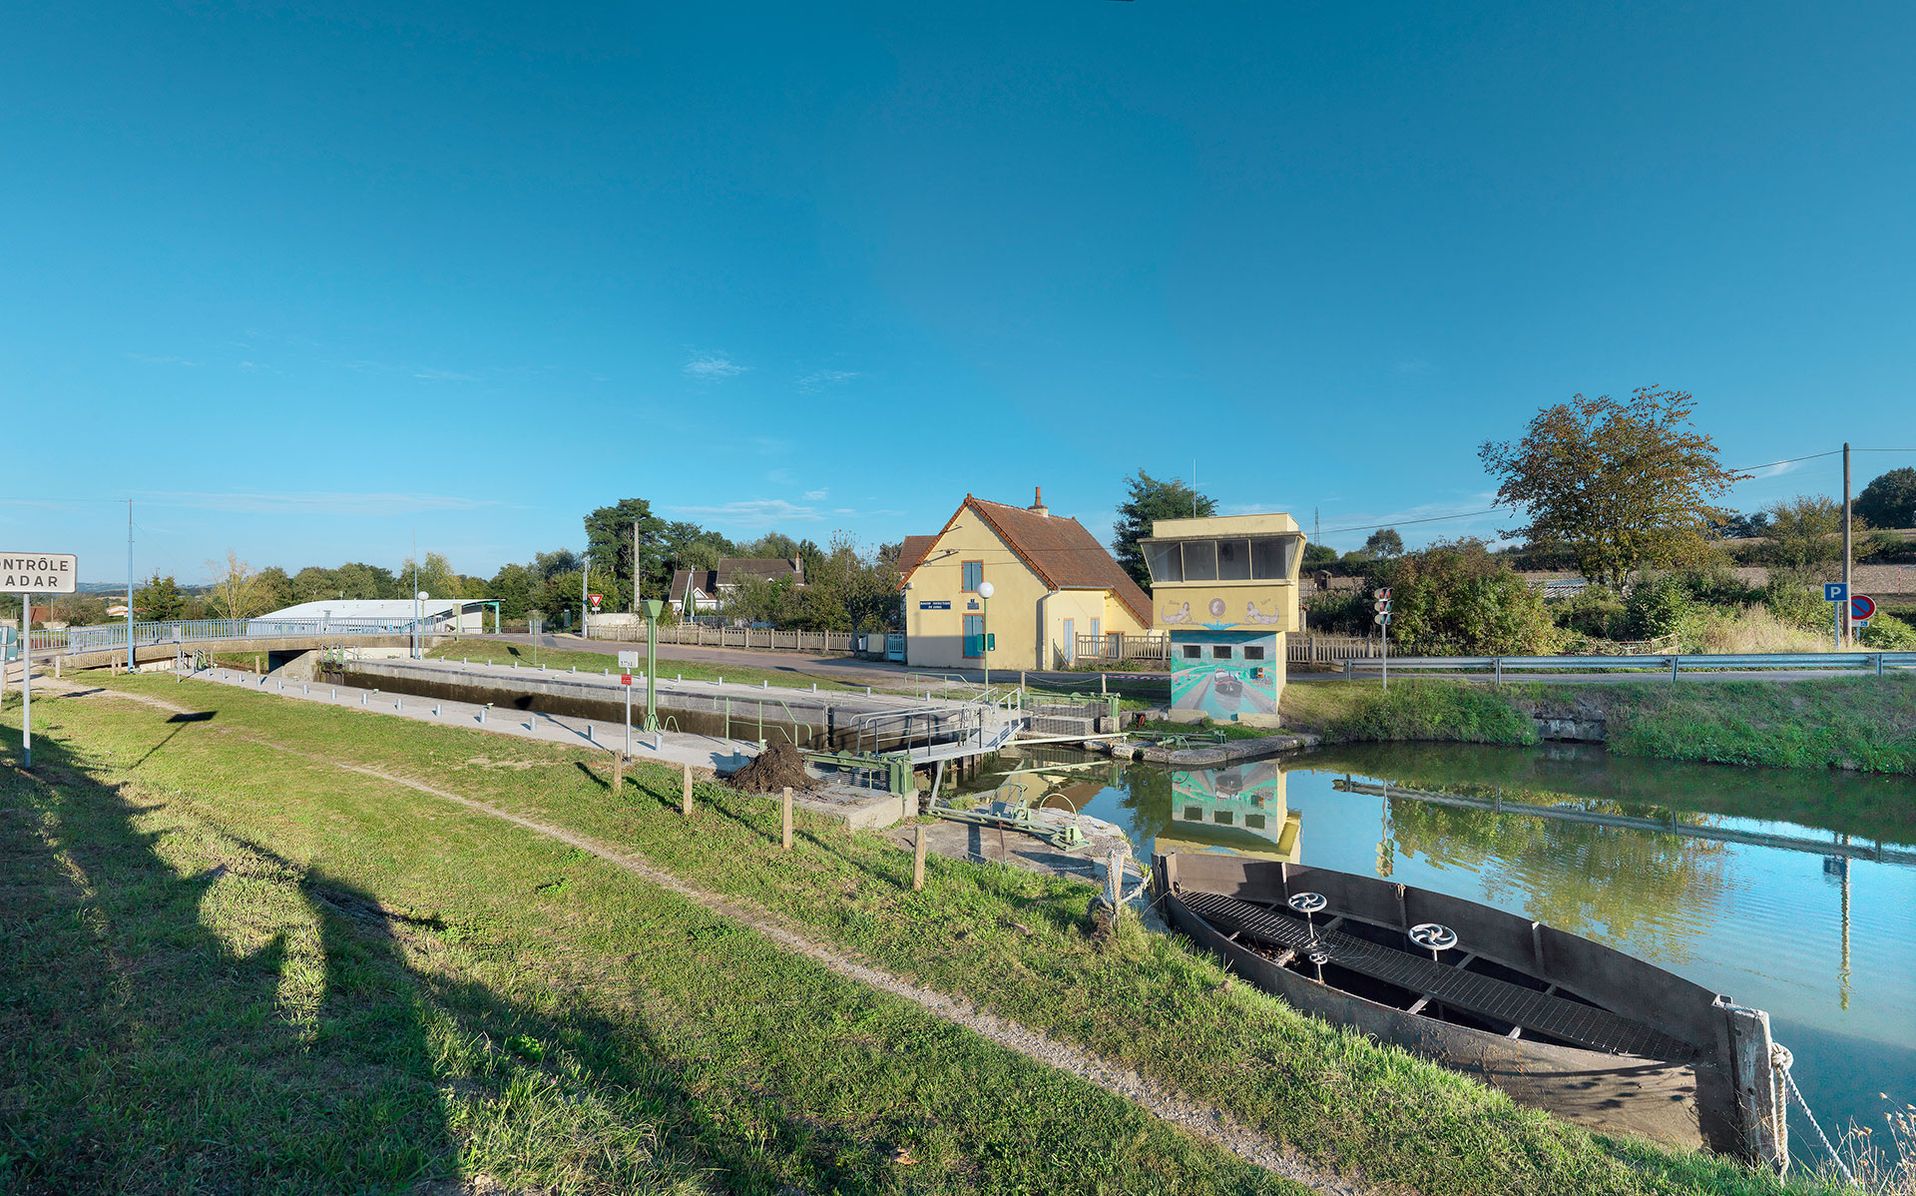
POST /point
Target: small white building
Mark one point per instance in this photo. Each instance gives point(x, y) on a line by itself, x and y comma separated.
point(438, 614)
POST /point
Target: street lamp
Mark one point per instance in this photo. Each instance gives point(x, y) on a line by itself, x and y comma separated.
point(985, 591)
point(418, 607)
point(653, 608)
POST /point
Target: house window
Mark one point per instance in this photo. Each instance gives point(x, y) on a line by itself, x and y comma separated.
point(1221, 652)
point(1254, 651)
point(1161, 558)
point(1193, 652)
point(1200, 560)
point(974, 572)
point(1273, 558)
point(1097, 628)
point(1234, 560)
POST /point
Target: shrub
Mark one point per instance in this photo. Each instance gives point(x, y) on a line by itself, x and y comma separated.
point(1458, 599)
point(1793, 600)
point(1890, 634)
point(1436, 710)
point(1657, 606)
point(1596, 612)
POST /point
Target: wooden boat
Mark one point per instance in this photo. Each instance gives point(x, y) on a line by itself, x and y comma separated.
point(1555, 1020)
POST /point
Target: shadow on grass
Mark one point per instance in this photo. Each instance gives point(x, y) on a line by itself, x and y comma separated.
point(146, 1052)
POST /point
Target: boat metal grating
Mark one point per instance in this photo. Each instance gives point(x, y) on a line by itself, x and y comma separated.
point(1572, 1021)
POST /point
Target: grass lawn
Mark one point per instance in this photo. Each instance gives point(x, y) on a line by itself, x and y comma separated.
point(230, 968)
point(1013, 942)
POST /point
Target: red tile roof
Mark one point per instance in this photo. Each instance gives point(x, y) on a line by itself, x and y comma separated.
point(1060, 551)
point(911, 553)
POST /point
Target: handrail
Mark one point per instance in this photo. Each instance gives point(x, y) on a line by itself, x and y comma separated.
point(101, 637)
point(1673, 664)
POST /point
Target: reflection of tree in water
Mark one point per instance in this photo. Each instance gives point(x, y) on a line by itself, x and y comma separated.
point(1147, 795)
point(1579, 877)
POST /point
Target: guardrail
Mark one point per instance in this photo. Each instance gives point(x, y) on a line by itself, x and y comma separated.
point(107, 636)
point(1674, 665)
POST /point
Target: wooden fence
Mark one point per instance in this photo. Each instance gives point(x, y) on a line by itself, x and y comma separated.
point(1301, 648)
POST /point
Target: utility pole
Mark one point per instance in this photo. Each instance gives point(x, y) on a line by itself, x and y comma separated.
point(129, 585)
point(1849, 637)
point(585, 607)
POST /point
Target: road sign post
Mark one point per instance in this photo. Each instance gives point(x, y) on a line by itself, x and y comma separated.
point(33, 573)
point(1836, 593)
point(626, 661)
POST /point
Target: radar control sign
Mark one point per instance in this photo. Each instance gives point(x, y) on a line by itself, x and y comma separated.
point(38, 572)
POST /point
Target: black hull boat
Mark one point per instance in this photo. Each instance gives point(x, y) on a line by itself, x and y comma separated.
point(1556, 1021)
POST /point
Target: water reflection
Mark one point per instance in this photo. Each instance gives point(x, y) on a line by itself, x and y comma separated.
point(1790, 892)
point(1239, 809)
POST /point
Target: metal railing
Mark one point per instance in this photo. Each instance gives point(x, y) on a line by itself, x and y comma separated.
point(107, 636)
point(1672, 665)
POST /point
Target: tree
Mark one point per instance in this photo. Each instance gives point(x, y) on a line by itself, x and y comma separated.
point(1385, 542)
point(159, 600)
point(235, 588)
point(609, 538)
point(1804, 534)
point(1150, 500)
point(272, 589)
point(1623, 486)
point(1890, 500)
point(436, 576)
point(516, 588)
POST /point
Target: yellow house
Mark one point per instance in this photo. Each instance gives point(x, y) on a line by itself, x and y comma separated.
point(1051, 582)
point(1225, 588)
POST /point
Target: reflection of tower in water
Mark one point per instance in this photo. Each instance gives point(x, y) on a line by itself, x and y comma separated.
point(1386, 846)
point(1836, 867)
point(1239, 809)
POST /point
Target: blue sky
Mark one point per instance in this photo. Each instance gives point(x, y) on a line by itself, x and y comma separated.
point(305, 285)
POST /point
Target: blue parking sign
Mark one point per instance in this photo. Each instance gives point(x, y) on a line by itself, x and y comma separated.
point(1835, 591)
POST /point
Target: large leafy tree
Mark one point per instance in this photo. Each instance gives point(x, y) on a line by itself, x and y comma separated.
point(610, 535)
point(1621, 485)
point(1148, 500)
point(1804, 534)
point(1890, 500)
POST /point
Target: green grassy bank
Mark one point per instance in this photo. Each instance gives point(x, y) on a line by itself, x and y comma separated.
point(226, 968)
point(1862, 723)
point(717, 1050)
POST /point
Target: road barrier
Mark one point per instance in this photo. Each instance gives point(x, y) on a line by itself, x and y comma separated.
point(1868, 663)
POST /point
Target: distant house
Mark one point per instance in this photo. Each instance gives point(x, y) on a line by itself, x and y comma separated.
point(1051, 583)
point(705, 590)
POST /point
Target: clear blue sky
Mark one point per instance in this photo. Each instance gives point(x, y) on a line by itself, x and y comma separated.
point(305, 284)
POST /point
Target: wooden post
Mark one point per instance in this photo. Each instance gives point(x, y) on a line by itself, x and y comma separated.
point(785, 819)
point(1114, 882)
point(685, 790)
point(1759, 1097)
point(618, 773)
point(918, 858)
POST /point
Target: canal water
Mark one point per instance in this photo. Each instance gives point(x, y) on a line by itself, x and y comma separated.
point(1815, 922)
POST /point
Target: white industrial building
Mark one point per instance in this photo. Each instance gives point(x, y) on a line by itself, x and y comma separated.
point(437, 614)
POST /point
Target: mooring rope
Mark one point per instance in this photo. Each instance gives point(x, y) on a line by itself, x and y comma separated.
point(1781, 1058)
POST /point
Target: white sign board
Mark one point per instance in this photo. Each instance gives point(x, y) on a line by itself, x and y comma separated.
point(628, 660)
point(38, 572)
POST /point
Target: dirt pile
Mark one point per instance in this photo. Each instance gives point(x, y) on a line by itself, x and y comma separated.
point(773, 769)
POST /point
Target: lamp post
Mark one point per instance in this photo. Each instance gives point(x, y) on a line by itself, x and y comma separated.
point(652, 608)
point(418, 638)
point(985, 591)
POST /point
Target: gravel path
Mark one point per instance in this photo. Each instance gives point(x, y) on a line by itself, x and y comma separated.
point(1201, 1120)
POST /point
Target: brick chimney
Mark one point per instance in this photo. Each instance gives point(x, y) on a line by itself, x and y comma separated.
point(1037, 502)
